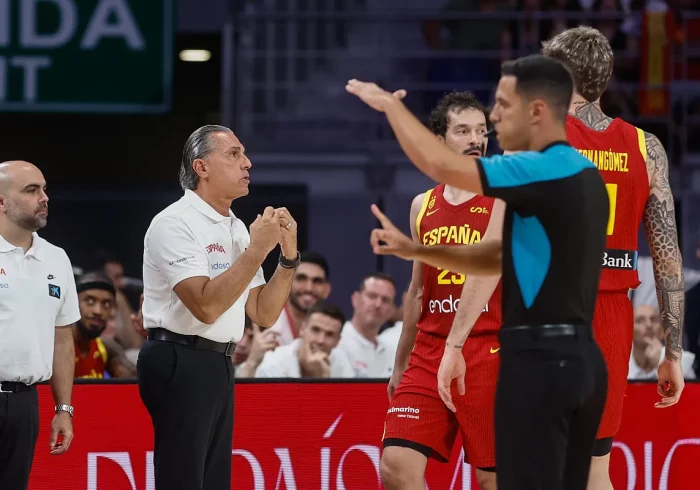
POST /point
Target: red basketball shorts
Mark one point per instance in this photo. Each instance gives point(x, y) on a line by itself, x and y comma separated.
point(417, 415)
point(613, 324)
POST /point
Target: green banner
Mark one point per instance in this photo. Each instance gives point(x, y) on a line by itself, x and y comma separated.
point(109, 56)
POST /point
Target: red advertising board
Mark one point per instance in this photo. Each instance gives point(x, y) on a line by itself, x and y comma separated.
point(326, 436)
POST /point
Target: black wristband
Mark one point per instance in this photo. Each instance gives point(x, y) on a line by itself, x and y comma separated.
point(290, 264)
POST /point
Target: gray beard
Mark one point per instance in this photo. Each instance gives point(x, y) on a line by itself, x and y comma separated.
point(25, 221)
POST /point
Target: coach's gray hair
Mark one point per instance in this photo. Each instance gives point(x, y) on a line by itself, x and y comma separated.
point(198, 145)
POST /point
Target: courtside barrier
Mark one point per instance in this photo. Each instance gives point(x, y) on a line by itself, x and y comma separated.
point(327, 436)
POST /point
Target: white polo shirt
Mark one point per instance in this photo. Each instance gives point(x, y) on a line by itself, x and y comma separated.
point(37, 294)
point(390, 337)
point(283, 362)
point(369, 360)
point(188, 239)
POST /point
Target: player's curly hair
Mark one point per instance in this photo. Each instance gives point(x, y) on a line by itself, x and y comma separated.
point(453, 101)
point(586, 52)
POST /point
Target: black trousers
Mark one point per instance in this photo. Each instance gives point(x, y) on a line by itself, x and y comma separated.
point(549, 402)
point(189, 395)
point(19, 429)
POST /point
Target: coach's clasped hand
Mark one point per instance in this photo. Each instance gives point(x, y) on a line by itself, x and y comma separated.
point(266, 232)
point(389, 240)
point(288, 230)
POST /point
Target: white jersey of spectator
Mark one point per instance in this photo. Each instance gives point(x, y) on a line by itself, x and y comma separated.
point(369, 360)
point(687, 359)
point(283, 362)
point(283, 326)
point(37, 294)
point(189, 239)
point(390, 337)
point(645, 294)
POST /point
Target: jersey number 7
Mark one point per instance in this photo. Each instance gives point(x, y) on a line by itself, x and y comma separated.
point(612, 195)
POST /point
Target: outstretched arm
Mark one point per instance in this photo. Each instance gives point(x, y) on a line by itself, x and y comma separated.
point(481, 259)
point(662, 235)
point(477, 290)
point(478, 259)
point(434, 159)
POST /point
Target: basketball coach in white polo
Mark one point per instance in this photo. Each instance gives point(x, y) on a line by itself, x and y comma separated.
point(38, 306)
point(202, 274)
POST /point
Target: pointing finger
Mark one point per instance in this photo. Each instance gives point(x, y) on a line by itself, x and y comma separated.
point(385, 222)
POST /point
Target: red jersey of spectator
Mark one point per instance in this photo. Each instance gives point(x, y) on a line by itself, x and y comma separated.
point(620, 153)
point(442, 223)
point(94, 364)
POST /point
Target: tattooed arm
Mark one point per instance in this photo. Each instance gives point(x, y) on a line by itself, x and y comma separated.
point(662, 235)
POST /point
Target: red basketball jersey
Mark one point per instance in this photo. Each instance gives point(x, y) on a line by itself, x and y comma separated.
point(93, 365)
point(620, 153)
point(442, 223)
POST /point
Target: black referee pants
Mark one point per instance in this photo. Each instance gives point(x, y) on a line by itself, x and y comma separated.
point(189, 395)
point(549, 402)
point(19, 429)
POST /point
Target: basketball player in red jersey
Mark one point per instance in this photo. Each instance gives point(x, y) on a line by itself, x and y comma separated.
point(634, 166)
point(418, 424)
point(96, 357)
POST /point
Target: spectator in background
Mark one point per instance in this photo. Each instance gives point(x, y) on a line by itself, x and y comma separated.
point(396, 318)
point(373, 305)
point(391, 332)
point(480, 37)
point(524, 37)
point(96, 357)
point(314, 353)
point(240, 355)
point(645, 294)
point(617, 102)
point(250, 351)
point(310, 286)
point(648, 349)
point(123, 332)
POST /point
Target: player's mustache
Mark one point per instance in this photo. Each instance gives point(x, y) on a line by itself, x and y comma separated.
point(479, 148)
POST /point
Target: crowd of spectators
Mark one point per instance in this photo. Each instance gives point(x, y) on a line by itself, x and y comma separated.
point(313, 338)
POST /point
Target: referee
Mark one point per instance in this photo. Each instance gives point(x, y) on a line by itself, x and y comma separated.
point(38, 305)
point(552, 382)
point(202, 274)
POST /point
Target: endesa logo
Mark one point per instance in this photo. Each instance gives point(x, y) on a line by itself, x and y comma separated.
point(220, 266)
point(448, 305)
point(478, 210)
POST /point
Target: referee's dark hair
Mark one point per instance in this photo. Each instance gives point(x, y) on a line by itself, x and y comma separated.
point(328, 310)
point(540, 77)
